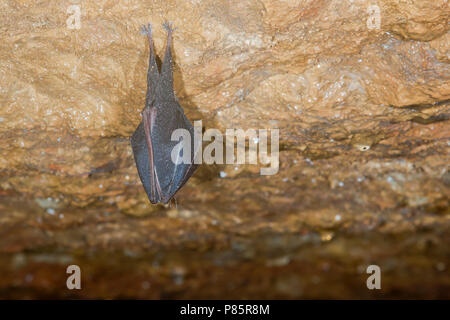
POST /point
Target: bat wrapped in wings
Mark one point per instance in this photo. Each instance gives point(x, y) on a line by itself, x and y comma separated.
point(152, 142)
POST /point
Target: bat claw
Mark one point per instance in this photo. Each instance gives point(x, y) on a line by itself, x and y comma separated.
point(146, 29)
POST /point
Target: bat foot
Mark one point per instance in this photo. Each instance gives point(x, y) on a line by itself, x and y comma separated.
point(146, 30)
point(168, 25)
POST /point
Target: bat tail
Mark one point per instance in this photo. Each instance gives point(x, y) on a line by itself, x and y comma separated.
point(152, 73)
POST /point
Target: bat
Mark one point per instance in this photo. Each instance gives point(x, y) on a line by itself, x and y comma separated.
point(151, 142)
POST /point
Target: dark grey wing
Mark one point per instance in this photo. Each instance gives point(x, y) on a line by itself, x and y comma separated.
point(184, 172)
point(140, 152)
point(188, 173)
point(170, 175)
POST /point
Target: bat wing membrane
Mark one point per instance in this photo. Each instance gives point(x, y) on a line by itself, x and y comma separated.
point(141, 156)
point(171, 175)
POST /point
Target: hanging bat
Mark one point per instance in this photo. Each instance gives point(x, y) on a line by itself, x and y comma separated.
point(151, 142)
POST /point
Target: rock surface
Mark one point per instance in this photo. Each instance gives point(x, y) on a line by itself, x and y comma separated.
point(363, 115)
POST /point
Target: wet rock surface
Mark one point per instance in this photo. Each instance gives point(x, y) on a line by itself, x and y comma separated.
point(363, 117)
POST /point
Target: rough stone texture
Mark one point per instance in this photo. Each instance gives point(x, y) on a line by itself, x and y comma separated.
point(364, 150)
